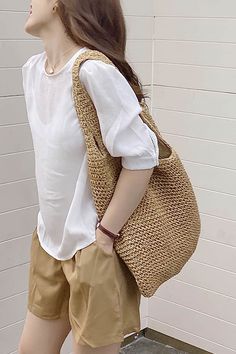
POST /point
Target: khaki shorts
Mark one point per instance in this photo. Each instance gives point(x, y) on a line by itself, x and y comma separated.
point(94, 288)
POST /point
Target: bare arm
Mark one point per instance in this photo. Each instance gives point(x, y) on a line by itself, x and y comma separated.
point(125, 135)
point(129, 191)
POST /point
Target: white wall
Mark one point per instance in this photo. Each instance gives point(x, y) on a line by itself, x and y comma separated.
point(18, 195)
point(194, 104)
point(18, 192)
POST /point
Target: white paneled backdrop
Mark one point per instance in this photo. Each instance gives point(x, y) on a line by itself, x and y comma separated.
point(194, 105)
point(185, 54)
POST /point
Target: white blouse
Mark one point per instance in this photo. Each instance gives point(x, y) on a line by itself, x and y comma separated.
point(67, 215)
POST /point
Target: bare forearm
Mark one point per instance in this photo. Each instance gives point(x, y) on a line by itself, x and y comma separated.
point(129, 191)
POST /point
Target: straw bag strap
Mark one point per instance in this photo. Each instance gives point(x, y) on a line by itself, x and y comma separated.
point(78, 89)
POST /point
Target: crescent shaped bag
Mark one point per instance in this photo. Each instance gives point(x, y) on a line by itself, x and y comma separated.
point(163, 231)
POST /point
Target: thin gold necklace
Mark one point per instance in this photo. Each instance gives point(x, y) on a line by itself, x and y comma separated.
point(52, 69)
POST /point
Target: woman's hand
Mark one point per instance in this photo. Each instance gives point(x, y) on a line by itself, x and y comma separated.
point(104, 241)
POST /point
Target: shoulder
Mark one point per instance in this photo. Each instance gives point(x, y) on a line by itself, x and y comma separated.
point(97, 73)
point(107, 86)
point(95, 68)
point(34, 59)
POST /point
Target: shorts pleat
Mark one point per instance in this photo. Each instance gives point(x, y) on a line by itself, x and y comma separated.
point(94, 289)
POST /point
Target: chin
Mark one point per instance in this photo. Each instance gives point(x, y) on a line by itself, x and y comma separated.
point(30, 28)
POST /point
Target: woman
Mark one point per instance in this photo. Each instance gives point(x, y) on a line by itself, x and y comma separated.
point(76, 280)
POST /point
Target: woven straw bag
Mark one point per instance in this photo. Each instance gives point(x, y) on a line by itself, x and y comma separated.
point(163, 231)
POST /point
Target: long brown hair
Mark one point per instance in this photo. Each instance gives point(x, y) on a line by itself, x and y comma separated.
point(100, 25)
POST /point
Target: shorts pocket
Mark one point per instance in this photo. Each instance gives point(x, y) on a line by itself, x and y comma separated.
point(95, 302)
point(96, 267)
point(96, 285)
point(102, 250)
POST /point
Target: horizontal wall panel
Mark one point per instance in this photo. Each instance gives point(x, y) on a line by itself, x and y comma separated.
point(196, 101)
point(193, 8)
point(10, 336)
point(134, 54)
point(197, 126)
point(18, 166)
point(18, 195)
point(22, 139)
point(195, 77)
point(15, 167)
point(215, 203)
point(12, 110)
point(195, 322)
point(11, 82)
point(22, 5)
point(144, 72)
point(15, 279)
point(14, 53)
point(19, 222)
point(192, 149)
point(16, 30)
point(193, 105)
point(139, 27)
point(188, 337)
point(196, 53)
point(137, 8)
point(207, 277)
point(198, 299)
point(196, 29)
point(218, 229)
point(217, 255)
point(14, 252)
point(210, 177)
point(12, 309)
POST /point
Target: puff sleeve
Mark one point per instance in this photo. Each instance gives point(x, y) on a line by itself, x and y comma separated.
point(123, 131)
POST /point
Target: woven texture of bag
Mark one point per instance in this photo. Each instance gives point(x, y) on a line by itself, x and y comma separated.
point(163, 231)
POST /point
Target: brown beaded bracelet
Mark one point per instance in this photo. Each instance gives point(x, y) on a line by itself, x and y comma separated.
point(107, 232)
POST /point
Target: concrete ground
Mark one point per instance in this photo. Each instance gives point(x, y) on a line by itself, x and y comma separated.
point(144, 345)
